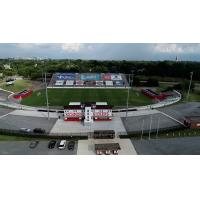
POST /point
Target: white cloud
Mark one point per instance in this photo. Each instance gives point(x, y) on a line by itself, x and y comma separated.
point(168, 48)
point(39, 44)
point(72, 47)
point(90, 47)
point(25, 45)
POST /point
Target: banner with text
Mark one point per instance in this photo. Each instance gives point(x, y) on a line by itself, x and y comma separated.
point(66, 77)
point(115, 77)
point(89, 77)
point(118, 83)
point(107, 77)
point(69, 82)
point(99, 82)
point(79, 82)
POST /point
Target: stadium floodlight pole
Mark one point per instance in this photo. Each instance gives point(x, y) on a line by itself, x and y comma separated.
point(150, 126)
point(42, 77)
point(47, 96)
point(191, 73)
point(158, 127)
point(132, 78)
point(127, 98)
point(142, 128)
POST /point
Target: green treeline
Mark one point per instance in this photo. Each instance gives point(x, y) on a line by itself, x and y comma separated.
point(32, 68)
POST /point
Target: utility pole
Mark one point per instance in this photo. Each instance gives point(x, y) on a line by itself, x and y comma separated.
point(127, 98)
point(191, 73)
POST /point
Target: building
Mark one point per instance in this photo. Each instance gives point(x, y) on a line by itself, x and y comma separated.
point(176, 59)
point(88, 111)
point(192, 121)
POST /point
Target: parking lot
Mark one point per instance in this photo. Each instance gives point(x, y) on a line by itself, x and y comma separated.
point(22, 148)
point(170, 146)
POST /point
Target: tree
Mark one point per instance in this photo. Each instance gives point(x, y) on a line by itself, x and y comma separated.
point(151, 82)
point(186, 85)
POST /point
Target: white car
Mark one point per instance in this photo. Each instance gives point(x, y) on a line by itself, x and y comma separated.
point(62, 144)
point(25, 130)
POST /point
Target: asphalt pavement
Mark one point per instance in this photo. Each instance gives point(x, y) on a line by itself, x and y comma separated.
point(22, 148)
point(4, 111)
point(180, 110)
point(170, 146)
point(135, 123)
point(15, 122)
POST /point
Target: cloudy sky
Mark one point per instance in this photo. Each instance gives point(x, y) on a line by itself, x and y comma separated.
point(103, 51)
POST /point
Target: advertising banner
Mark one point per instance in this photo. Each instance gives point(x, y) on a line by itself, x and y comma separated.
point(119, 83)
point(107, 77)
point(110, 83)
point(115, 77)
point(69, 82)
point(59, 82)
point(99, 82)
point(79, 82)
point(66, 77)
point(89, 77)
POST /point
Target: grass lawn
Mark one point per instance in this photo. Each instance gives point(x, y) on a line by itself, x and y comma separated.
point(18, 86)
point(62, 97)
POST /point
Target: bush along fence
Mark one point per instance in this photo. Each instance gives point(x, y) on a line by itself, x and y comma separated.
point(77, 136)
point(154, 133)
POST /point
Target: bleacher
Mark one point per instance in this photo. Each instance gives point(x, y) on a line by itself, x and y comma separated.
point(120, 82)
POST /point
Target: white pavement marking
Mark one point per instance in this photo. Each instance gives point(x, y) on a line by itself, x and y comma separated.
point(87, 147)
point(4, 115)
point(35, 114)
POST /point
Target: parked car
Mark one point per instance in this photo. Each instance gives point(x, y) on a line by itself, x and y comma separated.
point(38, 130)
point(51, 144)
point(34, 144)
point(71, 145)
point(62, 144)
point(25, 130)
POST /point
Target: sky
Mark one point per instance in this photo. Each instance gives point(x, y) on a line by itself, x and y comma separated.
point(104, 51)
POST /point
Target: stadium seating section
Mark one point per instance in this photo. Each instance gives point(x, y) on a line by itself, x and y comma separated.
point(79, 83)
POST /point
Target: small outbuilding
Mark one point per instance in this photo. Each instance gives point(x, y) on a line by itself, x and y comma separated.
point(192, 121)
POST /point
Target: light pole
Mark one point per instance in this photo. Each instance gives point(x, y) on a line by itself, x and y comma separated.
point(127, 98)
point(42, 77)
point(142, 128)
point(150, 126)
point(47, 94)
point(158, 127)
point(132, 78)
point(191, 73)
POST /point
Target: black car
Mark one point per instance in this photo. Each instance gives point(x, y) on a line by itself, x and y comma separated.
point(71, 145)
point(51, 144)
point(38, 130)
point(34, 144)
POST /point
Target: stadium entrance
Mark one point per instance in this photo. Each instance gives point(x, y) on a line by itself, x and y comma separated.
point(88, 111)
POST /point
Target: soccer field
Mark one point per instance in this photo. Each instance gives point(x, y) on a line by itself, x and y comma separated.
point(62, 97)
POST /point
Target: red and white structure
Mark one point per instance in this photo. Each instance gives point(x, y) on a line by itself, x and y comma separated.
point(88, 111)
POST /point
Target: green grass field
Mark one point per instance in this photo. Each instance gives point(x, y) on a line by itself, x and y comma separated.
point(18, 86)
point(62, 97)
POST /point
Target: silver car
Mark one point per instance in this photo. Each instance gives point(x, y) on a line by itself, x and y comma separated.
point(26, 130)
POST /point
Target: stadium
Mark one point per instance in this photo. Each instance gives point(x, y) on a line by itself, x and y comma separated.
point(105, 96)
